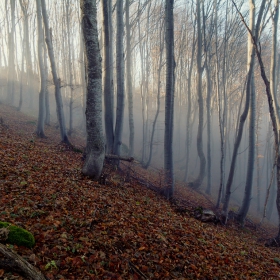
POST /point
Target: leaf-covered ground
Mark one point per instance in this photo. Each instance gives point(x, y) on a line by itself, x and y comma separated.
point(120, 230)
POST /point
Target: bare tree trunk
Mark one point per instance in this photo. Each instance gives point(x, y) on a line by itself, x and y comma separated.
point(120, 79)
point(41, 117)
point(198, 181)
point(56, 80)
point(47, 102)
point(160, 65)
point(108, 89)
point(189, 109)
point(129, 80)
point(70, 67)
point(251, 56)
point(11, 48)
point(83, 79)
point(95, 149)
point(27, 49)
point(169, 98)
point(242, 213)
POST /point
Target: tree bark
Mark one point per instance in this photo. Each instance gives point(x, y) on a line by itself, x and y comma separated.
point(129, 80)
point(95, 149)
point(40, 131)
point(169, 99)
point(14, 262)
point(251, 55)
point(11, 49)
point(198, 181)
point(120, 79)
point(108, 89)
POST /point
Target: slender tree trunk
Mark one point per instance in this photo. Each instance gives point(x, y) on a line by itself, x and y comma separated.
point(83, 78)
point(251, 157)
point(208, 105)
point(129, 80)
point(108, 89)
point(160, 65)
point(11, 67)
point(169, 98)
point(251, 56)
point(95, 149)
point(70, 67)
point(41, 117)
point(47, 102)
point(189, 109)
point(56, 80)
point(27, 50)
point(198, 181)
point(120, 79)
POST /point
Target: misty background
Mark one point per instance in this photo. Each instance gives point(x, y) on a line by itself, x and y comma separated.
point(224, 45)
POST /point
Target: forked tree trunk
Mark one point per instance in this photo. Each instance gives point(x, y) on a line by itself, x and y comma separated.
point(95, 149)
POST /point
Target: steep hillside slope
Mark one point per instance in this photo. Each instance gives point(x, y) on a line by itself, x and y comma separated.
point(120, 230)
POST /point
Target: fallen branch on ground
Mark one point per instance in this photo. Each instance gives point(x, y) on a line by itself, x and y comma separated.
point(11, 261)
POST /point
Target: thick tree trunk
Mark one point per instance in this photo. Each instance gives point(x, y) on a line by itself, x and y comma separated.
point(95, 149)
point(169, 98)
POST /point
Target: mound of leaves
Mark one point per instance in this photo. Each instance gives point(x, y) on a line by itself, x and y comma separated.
point(119, 230)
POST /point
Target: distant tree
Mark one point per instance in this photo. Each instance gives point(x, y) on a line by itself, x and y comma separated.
point(252, 127)
point(120, 79)
point(27, 49)
point(108, 76)
point(70, 66)
point(129, 79)
point(243, 117)
point(95, 149)
point(169, 98)
point(11, 49)
point(198, 181)
point(56, 80)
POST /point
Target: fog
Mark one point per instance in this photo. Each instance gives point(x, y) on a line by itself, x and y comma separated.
point(231, 60)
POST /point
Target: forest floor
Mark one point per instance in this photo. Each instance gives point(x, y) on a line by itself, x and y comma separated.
point(120, 230)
